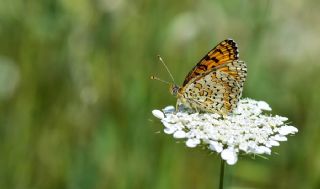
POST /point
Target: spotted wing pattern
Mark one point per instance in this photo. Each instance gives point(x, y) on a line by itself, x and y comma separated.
point(215, 84)
point(218, 91)
point(225, 51)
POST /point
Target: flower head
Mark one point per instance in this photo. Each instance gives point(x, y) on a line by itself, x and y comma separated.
point(247, 131)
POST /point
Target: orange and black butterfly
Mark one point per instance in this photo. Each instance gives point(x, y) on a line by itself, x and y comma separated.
point(215, 84)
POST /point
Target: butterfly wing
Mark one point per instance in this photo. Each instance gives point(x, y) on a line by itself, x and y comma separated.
point(237, 69)
point(218, 90)
point(225, 51)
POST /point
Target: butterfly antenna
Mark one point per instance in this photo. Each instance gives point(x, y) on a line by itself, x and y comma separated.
point(156, 78)
point(166, 68)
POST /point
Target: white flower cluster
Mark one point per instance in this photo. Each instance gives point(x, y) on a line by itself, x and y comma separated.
point(248, 130)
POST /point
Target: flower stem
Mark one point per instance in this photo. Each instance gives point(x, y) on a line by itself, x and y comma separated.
point(222, 165)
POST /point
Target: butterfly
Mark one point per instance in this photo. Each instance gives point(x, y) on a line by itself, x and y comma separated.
point(215, 84)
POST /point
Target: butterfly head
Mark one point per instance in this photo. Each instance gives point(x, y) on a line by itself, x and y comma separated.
point(174, 89)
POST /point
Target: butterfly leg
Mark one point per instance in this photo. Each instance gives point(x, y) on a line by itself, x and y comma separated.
point(178, 103)
point(197, 110)
point(193, 105)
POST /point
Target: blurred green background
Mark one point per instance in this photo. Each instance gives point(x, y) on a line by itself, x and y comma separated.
point(76, 98)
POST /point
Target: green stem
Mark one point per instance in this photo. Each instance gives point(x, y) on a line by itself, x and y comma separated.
point(222, 165)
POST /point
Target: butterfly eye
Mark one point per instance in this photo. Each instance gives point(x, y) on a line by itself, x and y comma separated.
point(174, 89)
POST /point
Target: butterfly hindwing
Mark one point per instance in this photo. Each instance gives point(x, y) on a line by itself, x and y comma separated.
point(237, 69)
point(218, 90)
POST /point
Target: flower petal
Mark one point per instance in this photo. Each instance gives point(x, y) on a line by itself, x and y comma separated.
point(168, 109)
point(263, 150)
point(230, 156)
point(264, 106)
point(280, 138)
point(215, 146)
point(179, 134)
point(285, 130)
point(192, 142)
point(169, 130)
point(271, 143)
point(158, 114)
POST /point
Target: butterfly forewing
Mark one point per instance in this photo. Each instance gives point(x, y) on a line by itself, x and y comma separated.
point(225, 51)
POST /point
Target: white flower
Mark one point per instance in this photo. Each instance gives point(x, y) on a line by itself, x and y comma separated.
point(230, 156)
point(158, 114)
point(192, 142)
point(179, 134)
point(248, 130)
point(264, 106)
point(216, 146)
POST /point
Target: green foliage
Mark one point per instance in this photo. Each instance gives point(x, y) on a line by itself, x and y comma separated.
point(76, 98)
